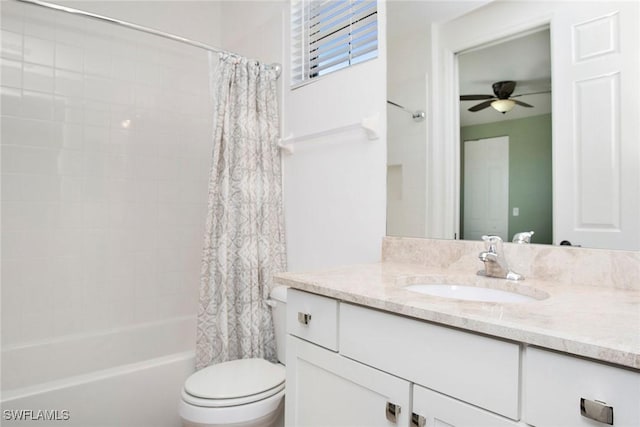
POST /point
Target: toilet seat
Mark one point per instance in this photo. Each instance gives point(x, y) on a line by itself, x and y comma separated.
point(233, 383)
point(225, 403)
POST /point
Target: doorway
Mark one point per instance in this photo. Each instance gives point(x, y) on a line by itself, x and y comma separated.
point(485, 188)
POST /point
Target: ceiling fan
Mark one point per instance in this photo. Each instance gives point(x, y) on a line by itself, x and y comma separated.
point(501, 100)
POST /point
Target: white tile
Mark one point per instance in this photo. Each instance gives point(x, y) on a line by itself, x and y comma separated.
point(68, 319)
point(11, 73)
point(116, 189)
point(145, 310)
point(144, 190)
point(28, 160)
point(12, 16)
point(96, 214)
point(11, 45)
point(124, 68)
point(41, 188)
point(116, 166)
point(96, 138)
point(98, 89)
point(69, 57)
point(69, 84)
point(72, 137)
point(94, 164)
point(11, 187)
point(40, 22)
point(37, 326)
point(70, 162)
point(11, 332)
point(95, 189)
point(12, 282)
point(97, 113)
point(11, 101)
point(97, 63)
point(67, 242)
point(38, 51)
point(66, 270)
point(143, 167)
point(37, 105)
point(27, 132)
point(26, 216)
point(71, 189)
point(123, 93)
point(68, 109)
point(38, 78)
point(70, 215)
point(120, 141)
point(70, 29)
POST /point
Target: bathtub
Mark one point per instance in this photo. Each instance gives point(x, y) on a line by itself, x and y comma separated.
point(120, 378)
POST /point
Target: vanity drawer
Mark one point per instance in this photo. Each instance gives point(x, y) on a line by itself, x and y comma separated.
point(469, 367)
point(555, 383)
point(313, 318)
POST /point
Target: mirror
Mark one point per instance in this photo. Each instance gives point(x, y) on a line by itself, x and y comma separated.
point(425, 176)
point(510, 151)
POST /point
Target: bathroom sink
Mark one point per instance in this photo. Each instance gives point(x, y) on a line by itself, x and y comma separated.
point(469, 293)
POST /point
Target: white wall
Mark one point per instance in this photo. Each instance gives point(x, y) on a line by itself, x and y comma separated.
point(196, 20)
point(407, 78)
point(105, 157)
point(335, 185)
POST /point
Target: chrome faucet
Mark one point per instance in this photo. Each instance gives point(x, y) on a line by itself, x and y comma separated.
point(495, 264)
point(523, 237)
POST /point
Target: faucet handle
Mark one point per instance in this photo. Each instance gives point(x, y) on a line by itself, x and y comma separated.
point(523, 237)
point(492, 243)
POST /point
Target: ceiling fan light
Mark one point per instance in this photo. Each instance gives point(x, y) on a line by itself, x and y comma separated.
point(503, 105)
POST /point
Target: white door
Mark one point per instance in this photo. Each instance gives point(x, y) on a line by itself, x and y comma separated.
point(325, 389)
point(596, 99)
point(486, 188)
point(431, 409)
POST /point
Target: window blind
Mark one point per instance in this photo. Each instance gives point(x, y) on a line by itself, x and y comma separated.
point(329, 35)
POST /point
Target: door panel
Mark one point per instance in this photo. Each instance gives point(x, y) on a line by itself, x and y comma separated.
point(486, 188)
point(596, 151)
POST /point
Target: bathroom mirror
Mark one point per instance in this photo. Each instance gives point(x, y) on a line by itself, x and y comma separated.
point(416, 195)
point(506, 157)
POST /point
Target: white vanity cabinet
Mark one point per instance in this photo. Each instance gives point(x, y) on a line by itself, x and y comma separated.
point(556, 384)
point(327, 389)
point(431, 409)
point(476, 369)
point(349, 365)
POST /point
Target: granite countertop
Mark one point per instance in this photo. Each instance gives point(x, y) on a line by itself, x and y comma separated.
point(596, 322)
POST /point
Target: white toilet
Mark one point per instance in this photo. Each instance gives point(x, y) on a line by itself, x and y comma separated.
point(240, 393)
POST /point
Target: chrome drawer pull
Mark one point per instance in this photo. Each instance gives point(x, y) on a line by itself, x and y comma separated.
point(392, 412)
point(418, 420)
point(596, 410)
point(304, 318)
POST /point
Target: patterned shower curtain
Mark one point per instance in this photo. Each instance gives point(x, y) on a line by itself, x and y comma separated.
point(244, 238)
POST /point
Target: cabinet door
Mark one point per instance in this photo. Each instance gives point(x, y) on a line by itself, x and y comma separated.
point(555, 384)
point(438, 410)
point(325, 389)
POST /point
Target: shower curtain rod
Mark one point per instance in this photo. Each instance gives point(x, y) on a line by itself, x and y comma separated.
point(276, 67)
point(417, 116)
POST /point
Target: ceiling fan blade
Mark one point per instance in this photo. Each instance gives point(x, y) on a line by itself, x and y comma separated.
point(481, 106)
point(530, 93)
point(503, 90)
point(522, 104)
point(474, 97)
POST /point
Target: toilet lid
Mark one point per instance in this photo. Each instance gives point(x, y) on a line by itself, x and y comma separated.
point(234, 379)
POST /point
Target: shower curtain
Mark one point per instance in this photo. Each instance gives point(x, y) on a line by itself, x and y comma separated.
point(244, 238)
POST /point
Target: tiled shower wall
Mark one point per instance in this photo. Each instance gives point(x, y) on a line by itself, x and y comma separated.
point(105, 157)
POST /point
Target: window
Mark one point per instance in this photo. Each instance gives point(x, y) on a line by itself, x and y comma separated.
point(328, 35)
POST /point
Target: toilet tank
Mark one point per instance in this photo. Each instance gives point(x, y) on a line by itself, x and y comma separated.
point(279, 311)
